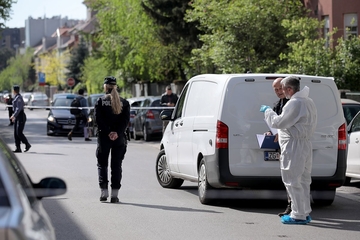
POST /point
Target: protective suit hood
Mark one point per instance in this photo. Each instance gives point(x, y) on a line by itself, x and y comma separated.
point(304, 93)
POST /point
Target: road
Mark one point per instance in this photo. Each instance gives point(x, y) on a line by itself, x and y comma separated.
point(147, 211)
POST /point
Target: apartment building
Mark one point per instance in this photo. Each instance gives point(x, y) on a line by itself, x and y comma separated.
point(340, 14)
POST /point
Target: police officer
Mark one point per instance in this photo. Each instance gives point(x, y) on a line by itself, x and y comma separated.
point(112, 115)
point(10, 109)
point(19, 119)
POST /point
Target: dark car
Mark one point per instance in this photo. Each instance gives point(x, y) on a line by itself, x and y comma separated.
point(22, 215)
point(147, 123)
point(60, 120)
point(350, 108)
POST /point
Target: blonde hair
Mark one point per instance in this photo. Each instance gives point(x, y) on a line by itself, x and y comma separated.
point(116, 104)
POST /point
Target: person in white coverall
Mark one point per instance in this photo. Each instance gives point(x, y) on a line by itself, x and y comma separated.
point(296, 126)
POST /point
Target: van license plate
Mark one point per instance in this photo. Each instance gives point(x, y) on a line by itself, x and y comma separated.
point(271, 156)
point(67, 126)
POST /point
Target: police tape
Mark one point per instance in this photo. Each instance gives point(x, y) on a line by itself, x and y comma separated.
point(81, 108)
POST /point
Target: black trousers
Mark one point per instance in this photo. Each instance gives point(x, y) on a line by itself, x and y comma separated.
point(77, 122)
point(11, 112)
point(19, 136)
point(117, 149)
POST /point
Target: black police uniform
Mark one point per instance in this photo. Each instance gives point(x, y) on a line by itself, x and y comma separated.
point(108, 122)
point(10, 108)
point(19, 124)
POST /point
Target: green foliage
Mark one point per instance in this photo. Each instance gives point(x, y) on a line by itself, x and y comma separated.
point(94, 72)
point(347, 64)
point(77, 58)
point(5, 55)
point(309, 54)
point(17, 72)
point(242, 35)
point(5, 10)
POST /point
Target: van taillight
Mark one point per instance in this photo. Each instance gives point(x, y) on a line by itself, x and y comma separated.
point(150, 115)
point(342, 137)
point(222, 135)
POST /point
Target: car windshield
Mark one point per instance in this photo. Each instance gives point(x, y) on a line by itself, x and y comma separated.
point(63, 102)
point(350, 111)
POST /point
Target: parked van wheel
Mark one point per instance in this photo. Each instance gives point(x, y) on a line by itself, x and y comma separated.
point(203, 185)
point(323, 197)
point(163, 173)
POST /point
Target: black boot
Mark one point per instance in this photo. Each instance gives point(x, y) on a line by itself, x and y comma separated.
point(70, 136)
point(287, 210)
point(17, 150)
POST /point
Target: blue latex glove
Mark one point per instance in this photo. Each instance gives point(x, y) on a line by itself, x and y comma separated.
point(263, 108)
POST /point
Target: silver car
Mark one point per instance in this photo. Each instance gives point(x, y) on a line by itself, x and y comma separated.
point(22, 215)
point(38, 100)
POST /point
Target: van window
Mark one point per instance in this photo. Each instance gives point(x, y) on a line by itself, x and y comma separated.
point(202, 100)
point(180, 103)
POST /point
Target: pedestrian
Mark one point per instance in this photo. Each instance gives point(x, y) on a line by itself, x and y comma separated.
point(112, 115)
point(19, 120)
point(296, 125)
point(81, 116)
point(10, 108)
point(278, 106)
point(168, 99)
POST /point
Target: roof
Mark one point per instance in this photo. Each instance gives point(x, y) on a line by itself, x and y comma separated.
point(349, 101)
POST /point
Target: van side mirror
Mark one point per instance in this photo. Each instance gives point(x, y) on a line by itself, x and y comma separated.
point(166, 114)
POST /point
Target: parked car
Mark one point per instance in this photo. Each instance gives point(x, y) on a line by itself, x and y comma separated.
point(211, 138)
point(147, 123)
point(350, 108)
point(60, 120)
point(38, 100)
point(353, 157)
point(22, 215)
point(134, 103)
point(26, 97)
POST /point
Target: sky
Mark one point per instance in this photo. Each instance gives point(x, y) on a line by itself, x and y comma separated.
point(23, 9)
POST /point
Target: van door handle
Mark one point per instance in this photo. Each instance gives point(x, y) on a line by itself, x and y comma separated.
point(357, 140)
point(176, 124)
point(181, 123)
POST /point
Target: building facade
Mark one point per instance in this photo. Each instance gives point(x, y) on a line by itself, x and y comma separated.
point(340, 14)
point(37, 29)
point(12, 38)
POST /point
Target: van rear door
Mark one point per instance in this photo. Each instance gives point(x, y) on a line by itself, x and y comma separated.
point(242, 101)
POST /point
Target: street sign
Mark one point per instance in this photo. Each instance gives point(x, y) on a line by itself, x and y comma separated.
point(70, 82)
point(41, 77)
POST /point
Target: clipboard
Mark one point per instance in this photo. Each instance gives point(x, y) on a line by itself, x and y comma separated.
point(267, 141)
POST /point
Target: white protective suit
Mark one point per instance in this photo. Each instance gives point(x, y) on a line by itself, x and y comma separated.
point(296, 126)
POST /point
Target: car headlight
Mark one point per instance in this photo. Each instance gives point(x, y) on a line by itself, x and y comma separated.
point(51, 118)
point(90, 119)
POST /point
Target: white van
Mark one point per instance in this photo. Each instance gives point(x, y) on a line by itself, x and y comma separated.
point(211, 138)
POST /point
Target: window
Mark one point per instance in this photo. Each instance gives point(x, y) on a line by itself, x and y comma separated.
point(326, 30)
point(351, 26)
point(180, 104)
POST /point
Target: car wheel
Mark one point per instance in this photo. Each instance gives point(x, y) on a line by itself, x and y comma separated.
point(146, 134)
point(136, 137)
point(48, 131)
point(204, 187)
point(163, 173)
point(323, 197)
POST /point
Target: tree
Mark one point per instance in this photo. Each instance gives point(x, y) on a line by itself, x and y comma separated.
point(53, 65)
point(347, 64)
point(242, 35)
point(5, 9)
point(77, 58)
point(169, 16)
point(5, 55)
